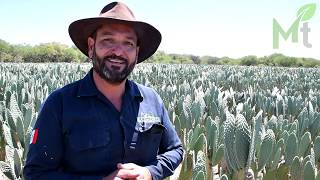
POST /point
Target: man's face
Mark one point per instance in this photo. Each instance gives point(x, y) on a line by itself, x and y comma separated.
point(114, 52)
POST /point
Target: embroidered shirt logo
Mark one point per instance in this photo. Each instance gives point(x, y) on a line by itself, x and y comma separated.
point(148, 118)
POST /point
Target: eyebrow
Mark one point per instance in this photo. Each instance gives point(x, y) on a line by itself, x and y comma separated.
point(108, 33)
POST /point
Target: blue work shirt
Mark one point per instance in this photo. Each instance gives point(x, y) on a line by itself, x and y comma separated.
point(81, 135)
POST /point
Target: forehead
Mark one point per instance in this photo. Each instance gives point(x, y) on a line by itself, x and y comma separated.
point(117, 28)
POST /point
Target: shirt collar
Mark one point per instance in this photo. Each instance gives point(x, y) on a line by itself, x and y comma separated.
point(133, 90)
point(87, 87)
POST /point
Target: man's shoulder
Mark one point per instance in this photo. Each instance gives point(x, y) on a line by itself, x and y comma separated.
point(69, 89)
point(148, 93)
point(145, 90)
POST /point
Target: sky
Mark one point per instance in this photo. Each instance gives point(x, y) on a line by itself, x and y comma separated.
point(200, 27)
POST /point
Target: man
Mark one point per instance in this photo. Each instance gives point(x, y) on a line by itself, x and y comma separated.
point(105, 126)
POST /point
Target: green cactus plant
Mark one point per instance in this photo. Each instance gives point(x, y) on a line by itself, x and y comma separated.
point(303, 121)
point(294, 127)
point(312, 158)
point(17, 163)
point(242, 141)
point(224, 177)
point(316, 146)
point(6, 169)
point(304, 144)
point(284, 136)
point(306, 159)
point(191, 95)
point(213, 135)
point(218, 155)
point(258, 132)
point(308, 171)
point(199, 170)
point(315, 126)
point(273, 124)
point(276, 158)
point(291, 149)
point(296, 169)
point(266, 149)
point(229, 138)
point(197, 139)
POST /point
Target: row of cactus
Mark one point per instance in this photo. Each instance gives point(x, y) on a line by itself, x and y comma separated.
point(234, 122)
point(16, 126)
point(22, 91)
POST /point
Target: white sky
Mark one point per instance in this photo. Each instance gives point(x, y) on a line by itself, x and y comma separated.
point(200, 27)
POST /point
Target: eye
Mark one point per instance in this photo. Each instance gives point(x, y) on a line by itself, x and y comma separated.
point(107, 42)
point(129, 44)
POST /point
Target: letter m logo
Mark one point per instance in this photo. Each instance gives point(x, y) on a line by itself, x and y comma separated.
point(277, 31)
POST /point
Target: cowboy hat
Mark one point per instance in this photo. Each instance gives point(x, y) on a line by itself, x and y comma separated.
point(149, 37)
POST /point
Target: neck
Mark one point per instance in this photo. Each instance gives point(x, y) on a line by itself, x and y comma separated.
point(113, 92)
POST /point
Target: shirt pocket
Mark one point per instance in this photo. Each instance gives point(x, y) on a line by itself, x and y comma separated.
point(148, 141)
point(88, 148)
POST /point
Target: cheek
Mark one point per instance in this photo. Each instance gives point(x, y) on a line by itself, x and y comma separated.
point(100, 53)
point(132, 59)
point(134, 56)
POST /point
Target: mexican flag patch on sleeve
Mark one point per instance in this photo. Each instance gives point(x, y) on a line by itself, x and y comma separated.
point(34, 136)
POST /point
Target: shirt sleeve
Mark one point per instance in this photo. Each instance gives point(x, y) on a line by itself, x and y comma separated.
point(170, 151)
point(46, 147)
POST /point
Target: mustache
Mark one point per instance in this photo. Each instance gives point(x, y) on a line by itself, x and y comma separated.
point(113, 56)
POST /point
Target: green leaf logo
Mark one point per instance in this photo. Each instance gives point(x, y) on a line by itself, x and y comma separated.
point(306, 12)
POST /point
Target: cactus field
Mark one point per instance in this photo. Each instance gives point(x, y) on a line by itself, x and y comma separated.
point(234, 122)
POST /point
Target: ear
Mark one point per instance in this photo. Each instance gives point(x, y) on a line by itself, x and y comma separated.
point(90, 47)
point(137, 53)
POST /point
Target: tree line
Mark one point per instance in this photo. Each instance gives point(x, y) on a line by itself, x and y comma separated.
point(48, 52)
point(251, 60)
point(56, 52)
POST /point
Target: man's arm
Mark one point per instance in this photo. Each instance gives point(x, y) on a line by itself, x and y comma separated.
point(170, 150)
point(46, 148)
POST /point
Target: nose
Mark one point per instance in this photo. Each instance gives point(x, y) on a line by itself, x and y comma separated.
point(117, 49)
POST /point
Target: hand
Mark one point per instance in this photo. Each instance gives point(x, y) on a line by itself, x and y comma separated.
point(122, 174)
point(143, 172)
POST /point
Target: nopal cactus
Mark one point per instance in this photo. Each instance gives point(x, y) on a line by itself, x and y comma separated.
point(266, 149)
point(304, 143)
point(199, 170)
point(316, 146)
point(308, 171)
point(296, 169)
point(229, 138)
point(242, 141)
point(291, 149)
point(237, 140)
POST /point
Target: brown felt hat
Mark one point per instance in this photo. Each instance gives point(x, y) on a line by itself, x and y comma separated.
point(149, 37)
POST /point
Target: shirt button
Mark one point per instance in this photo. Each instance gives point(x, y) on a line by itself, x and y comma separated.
point(121, 118)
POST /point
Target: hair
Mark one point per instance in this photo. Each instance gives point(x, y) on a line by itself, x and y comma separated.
point(94, 34)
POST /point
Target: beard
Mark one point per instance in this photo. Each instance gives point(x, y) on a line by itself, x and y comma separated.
point(113, 74)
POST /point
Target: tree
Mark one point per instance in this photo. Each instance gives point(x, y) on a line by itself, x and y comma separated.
point(249, 61)
point(195, 59)
point(209, 60)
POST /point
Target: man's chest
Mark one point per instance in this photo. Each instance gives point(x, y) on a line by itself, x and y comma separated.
point(98, 136)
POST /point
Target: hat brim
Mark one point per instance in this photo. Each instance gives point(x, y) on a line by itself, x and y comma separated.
point(149, 37)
